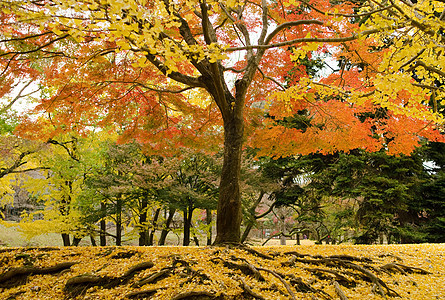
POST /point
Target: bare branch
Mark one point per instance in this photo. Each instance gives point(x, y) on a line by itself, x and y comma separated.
point(288, 25)
point(19, 95)
point(38, 48)
point(273, 80)
point(426, 67)
point(314, 39)
point(26, 37)
point(383, 8)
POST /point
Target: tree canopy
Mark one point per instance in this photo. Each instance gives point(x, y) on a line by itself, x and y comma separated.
point(197, 73)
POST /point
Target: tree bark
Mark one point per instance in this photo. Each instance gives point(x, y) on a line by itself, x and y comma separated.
point(283, 232)
point(103, 225)
point(93, 241)
point(119, 221)
point(188, 213)
point(66, 239)
point(152, 232)
point(252, 218)
point(209, 224)
point(165, 230)
point(228, 222)
point(143, 240)
point(76, 241)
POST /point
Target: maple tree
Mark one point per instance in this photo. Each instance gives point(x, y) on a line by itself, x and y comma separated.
point(164, 73)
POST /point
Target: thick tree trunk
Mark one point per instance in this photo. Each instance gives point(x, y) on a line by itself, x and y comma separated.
point(228, 222)
point(165, 230)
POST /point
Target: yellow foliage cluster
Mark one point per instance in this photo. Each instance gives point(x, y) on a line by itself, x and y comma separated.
point(212, 275)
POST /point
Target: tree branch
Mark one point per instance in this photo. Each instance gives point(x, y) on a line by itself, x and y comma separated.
point(36, 49)
point(314, 39)
point(288, 25)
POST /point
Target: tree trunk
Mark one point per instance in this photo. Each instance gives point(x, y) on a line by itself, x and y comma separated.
point(187, 225)
point(93, 241)
point(252, 218)
point(103, 225)
point(119, 221)
point(152, 233)
point(209, 225)
point(66, 239)
point(143, 222)
point(165, 230)
point(76, 241)
point(228, 222)
point(186, 229)
point(195, 239)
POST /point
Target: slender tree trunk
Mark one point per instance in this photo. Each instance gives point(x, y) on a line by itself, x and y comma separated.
point(251, 219)
point(165, 230)
point(64, 211)
point(228, 222)
point(93, 241)
point(186, 229)
point(247, 231)
point(209, 225)
point(119, 221)
point(155, 223)
point(298, 238)
point(103, 225)
point(143, 222)
point(283, 232)
point(76, 241)
point(195, 239)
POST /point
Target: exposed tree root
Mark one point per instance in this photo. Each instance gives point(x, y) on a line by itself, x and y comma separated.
point(223, 273)
point(339, 291)
point(338, 277)
point(153, 277)
point(80, 284)
point(246, 268)
point(18, 276)
point(248, 290)
point(289, 290)
point(396, 267)
point(379, 286)
point(141, 294)
point(195, 295)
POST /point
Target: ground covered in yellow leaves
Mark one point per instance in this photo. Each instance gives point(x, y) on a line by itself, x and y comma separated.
point(286, 272)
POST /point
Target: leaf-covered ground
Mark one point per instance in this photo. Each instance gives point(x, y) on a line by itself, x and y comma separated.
point(289, 272)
